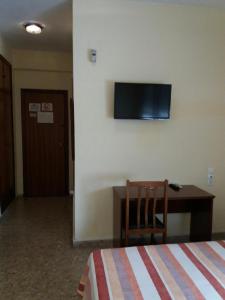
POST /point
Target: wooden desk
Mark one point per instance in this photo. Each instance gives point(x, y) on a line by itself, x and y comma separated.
point(190, 199)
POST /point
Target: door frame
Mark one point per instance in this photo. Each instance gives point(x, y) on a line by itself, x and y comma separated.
point(66, 134)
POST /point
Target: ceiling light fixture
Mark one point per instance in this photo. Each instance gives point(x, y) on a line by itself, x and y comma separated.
point(33, 28)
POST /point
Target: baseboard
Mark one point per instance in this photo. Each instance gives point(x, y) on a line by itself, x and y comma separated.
point(108, 243)
point(93, 244)
point(218, 236)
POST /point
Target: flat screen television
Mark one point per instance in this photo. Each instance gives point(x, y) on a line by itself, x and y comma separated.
point(146, 101)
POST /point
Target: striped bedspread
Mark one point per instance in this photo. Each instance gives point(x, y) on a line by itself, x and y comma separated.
point(173, 271)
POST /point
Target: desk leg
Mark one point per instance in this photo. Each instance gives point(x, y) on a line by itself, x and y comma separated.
point(201, 221)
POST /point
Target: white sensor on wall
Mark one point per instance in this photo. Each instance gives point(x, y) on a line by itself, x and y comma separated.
point(93, 55)
point(211, 176)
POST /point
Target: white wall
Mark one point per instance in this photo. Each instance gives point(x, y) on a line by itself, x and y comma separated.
point(38, 70)
point(5, 50)
point(138, 41)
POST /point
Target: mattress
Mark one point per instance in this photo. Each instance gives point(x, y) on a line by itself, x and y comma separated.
point(169, 271)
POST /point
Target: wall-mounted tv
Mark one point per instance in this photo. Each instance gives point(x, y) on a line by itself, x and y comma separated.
point(146, 101)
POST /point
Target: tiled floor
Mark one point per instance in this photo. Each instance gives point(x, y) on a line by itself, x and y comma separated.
point(37, 259)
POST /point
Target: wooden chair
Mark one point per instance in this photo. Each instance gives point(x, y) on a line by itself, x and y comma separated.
point(142, 198)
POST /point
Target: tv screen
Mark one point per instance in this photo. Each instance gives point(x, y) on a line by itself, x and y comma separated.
point(142, 101)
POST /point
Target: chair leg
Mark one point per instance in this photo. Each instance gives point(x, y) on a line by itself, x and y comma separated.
point(152, 238)
point(121, 235)
point(164, 237)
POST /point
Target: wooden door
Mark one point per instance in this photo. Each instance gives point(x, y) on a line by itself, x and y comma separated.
point(45, 142)
point(7, 180)
point(2, 146)
point(7, 82)
point(1, 73)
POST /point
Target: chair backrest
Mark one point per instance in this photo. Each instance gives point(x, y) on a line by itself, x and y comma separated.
point(149, 192)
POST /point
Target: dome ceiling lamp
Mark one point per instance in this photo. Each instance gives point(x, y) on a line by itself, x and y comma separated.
point(33, 28)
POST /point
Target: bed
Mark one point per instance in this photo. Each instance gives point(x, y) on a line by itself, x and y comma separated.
point(169, 271)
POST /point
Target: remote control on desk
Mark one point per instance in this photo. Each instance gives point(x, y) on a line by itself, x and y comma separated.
point(175, 186)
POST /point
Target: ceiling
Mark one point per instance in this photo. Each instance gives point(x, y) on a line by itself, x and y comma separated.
point(215, 3)
point(56, 15)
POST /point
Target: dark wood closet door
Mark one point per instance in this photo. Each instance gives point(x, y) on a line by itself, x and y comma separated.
point(6, 147)
point(1, 73)
point(7, 82)
point(7, 180)
point(45, 143)
point(3, 190)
